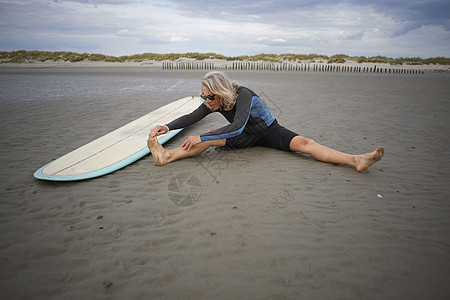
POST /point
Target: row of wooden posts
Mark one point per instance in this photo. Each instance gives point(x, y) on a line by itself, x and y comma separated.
point(292, 67)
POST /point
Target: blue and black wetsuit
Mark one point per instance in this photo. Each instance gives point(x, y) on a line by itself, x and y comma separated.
point(251, 124)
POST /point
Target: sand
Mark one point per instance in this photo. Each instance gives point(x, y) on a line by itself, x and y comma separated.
point(228, 65)
point(261, 224)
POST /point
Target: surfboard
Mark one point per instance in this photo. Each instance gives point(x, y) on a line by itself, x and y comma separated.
point(118, 148)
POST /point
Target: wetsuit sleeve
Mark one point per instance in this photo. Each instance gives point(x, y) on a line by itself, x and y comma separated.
point(242, 114)
point(189, 119)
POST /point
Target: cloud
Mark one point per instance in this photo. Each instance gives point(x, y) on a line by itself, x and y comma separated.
point(351, 35)
point(123, 32)
point(178, 39)
point(357, 27)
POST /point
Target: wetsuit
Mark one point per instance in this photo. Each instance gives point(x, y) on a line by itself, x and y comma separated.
point(251, 124)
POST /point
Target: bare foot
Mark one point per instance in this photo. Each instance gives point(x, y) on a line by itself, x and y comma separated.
point(369, 159)
point(158, 152)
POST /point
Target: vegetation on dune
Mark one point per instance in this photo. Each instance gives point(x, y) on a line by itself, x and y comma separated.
point(23, 56)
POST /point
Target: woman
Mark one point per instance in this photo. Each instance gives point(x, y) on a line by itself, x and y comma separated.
point(251, 124)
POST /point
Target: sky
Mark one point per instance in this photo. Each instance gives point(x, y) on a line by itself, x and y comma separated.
point(393, 28)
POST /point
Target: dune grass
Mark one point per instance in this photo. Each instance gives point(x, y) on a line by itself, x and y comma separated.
point(23, 56)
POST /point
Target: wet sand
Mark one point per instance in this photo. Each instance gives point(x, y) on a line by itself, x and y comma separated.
point(251, 224)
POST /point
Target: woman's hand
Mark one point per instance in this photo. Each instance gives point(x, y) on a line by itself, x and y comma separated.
point(190, 142)
point(158, 130)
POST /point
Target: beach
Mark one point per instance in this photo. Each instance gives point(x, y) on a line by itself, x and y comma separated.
point(224, 65)
point(261, 223)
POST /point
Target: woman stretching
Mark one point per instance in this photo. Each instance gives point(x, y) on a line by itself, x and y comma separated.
point(251, 124)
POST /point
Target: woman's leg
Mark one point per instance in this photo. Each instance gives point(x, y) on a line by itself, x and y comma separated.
point(163, 156)
point(325, 154)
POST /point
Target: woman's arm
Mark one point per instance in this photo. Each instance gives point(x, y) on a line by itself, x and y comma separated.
point(189, 119)
point(242, 114)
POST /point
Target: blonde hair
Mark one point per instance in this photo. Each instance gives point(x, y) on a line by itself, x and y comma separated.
point(219, 84)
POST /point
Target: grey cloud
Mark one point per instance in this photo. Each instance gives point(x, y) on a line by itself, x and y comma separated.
point(351, 35)
point(265, 26)
point(414, 13)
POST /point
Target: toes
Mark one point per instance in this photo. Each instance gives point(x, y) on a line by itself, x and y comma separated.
point(379, 153)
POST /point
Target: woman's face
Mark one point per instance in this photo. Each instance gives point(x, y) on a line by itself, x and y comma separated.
point(214, 104)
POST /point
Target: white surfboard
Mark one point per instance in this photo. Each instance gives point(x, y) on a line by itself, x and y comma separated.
point(118, 148)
